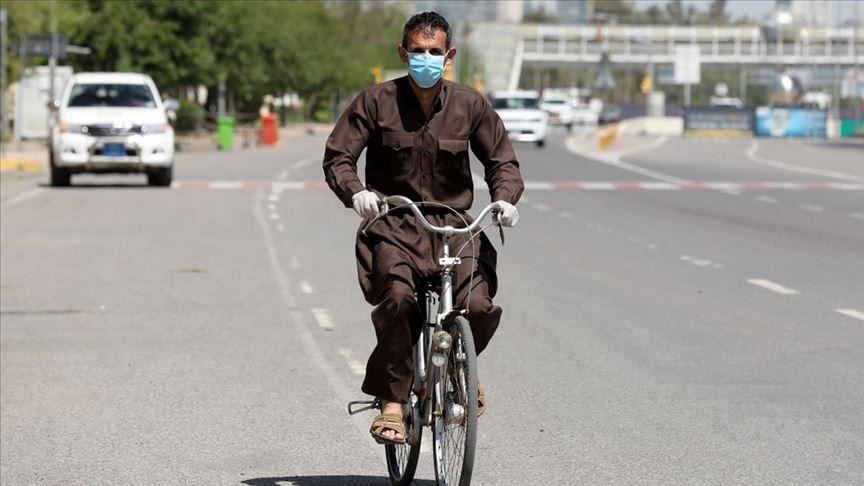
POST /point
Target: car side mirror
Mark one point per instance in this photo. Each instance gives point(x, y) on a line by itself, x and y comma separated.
point(53, 105)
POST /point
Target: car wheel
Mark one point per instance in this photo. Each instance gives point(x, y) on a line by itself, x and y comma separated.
point(160, 178)
point(59, 177)
point(540, 143)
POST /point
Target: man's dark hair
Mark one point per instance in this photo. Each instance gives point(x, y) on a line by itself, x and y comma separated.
point(427, 23)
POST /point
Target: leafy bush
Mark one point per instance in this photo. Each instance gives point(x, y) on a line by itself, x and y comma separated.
point(190, 116)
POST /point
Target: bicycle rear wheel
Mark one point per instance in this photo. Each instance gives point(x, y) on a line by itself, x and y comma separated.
point(455, 432)
point(402, 458)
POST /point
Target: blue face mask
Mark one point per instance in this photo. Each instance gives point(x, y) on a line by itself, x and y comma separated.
point(425, 68)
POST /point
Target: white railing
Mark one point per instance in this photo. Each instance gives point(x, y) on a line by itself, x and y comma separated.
point(718, 45)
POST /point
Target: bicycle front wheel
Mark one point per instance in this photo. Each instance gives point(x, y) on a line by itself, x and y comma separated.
point(402, 458)
point(455, 429)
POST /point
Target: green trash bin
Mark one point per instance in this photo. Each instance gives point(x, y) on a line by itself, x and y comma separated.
point(225, 132)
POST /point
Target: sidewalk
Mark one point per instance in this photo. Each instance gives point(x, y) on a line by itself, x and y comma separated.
point(246, 136)
point(28, 157)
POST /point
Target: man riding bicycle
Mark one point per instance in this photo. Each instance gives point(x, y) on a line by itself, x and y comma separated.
point(417, 130)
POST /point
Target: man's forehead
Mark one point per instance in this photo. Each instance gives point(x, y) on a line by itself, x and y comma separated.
point(425, 39)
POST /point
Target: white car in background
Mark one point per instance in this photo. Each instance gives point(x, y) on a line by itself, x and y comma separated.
point(111, 123)
point(583, 114)
point(520, 111)
point(559, 108)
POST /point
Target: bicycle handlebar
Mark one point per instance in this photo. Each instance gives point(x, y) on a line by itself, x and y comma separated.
point(445, 230)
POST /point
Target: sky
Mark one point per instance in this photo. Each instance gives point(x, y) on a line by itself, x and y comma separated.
point(754, 9)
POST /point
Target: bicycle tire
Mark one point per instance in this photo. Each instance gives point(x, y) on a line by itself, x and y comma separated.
point(455, 439)
point(402, 459)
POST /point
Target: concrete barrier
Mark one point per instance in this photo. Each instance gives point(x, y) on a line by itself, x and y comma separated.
point(661, 126)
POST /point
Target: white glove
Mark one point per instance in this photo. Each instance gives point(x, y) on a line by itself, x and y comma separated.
point(365, 203)
point(509, 215)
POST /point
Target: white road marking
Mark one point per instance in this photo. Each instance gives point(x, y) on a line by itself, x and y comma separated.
point(538, 186)
point(302, 163)
point(280, 228)
point(856, 215)
point(541, 207)
point(271, 207)
point(845, 186)
point(651, 246)
point(751, 154)
point(282, 175)
point(660, 186)
point(23, 197)
point(766, 199)
point(598, 186)
point(811, 207)
point(731, 192)
point(855, 314)
point(274, 216)
point(357, 367)
point(565, 215)
point(615, 160)
point(308, 345)
point(226, 185)
point(775, 287)
point(701, 262)
point(306, 287)
point(273, 197)
point(323, 318)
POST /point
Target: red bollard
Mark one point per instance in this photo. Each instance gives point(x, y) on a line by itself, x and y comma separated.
point(269, 132)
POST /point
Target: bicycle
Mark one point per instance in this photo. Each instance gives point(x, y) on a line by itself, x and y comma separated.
point(445, 364)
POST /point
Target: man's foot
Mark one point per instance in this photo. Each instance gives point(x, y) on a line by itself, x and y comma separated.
point(391, 434)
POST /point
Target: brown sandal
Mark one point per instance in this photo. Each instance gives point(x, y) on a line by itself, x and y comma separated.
point(481, 399)
point(387, 421)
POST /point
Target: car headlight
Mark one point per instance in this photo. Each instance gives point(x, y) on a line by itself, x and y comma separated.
point(151, 129)
point(72, 128)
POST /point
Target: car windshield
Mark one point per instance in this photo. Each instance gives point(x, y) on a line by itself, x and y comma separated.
point(514, 103)
point(114, 95)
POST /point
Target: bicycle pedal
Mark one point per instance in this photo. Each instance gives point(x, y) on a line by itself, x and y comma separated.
point(369, 405)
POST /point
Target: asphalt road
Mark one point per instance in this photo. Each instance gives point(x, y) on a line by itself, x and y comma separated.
point(657, 330)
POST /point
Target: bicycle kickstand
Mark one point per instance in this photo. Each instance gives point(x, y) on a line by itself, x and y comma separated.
point(369, 405)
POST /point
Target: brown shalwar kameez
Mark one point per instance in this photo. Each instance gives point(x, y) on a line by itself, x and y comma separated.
point(423, 160)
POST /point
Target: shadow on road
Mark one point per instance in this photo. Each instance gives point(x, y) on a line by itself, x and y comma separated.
point(327, 481)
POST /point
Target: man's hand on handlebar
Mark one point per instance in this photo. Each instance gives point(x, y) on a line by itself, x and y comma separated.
point(508, 215)
point(365, 203)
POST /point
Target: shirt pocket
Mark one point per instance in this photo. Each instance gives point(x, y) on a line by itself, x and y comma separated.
point(396, 149)
point(452, 162)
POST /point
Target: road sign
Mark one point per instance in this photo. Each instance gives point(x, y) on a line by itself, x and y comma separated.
point(604, 73)
point(40, 45)
point(688, 67)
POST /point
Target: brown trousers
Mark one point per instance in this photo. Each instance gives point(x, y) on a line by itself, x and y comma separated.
point(394, 254)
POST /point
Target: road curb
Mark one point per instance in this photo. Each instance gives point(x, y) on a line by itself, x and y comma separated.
point(32, 166)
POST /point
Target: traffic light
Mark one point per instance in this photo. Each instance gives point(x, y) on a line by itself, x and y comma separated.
point(376, 72)
point(645, 87)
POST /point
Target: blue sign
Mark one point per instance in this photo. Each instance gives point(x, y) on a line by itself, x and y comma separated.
point(790, 122)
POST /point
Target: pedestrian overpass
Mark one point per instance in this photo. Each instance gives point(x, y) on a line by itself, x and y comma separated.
point(518, 46)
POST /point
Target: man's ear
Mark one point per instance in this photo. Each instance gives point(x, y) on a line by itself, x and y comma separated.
point(403, 54)
point(450, 55)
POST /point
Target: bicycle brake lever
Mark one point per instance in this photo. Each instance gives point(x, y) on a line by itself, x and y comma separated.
point(496, 218)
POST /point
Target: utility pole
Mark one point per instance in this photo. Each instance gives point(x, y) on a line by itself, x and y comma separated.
point(52, 59)
point(4, 106)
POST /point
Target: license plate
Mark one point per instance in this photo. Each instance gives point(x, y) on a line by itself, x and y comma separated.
point(114, 149)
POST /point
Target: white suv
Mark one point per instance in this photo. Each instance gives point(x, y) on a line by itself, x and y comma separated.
point(520, 111)
point(111, 122)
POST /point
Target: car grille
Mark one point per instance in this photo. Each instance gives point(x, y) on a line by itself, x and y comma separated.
point(111, 130)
